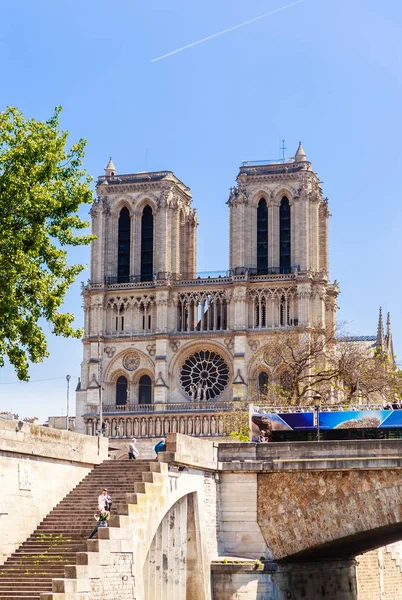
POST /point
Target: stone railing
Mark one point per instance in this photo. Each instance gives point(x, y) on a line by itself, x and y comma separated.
point(157, 425)
point(163, 407)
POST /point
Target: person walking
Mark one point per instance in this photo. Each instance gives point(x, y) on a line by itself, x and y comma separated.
point(132, 449)
point(160, 446)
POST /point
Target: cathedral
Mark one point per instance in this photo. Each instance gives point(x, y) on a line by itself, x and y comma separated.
point(168, 350)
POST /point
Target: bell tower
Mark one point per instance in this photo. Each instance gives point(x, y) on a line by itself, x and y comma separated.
point(145, 225)
point(278, 218)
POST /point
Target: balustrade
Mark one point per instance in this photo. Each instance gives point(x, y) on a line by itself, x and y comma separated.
point(149, 426)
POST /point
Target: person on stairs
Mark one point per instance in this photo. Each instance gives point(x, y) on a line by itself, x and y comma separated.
point(132, 449)
point(102, 518)
point(104, 501)
point(103, 514)
point(160, 447)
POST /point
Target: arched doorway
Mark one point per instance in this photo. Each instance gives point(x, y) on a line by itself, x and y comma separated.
point(145, 390)
point(121, 391)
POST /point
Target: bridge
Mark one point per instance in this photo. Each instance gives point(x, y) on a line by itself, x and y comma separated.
point(218, 521)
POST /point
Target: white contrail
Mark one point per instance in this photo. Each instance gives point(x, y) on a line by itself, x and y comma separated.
point(214, 35)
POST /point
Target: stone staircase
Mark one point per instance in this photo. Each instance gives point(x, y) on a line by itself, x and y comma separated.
point(64, 531)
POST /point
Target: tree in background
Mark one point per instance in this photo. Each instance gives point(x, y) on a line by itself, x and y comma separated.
point(42, 186)
point(306, 364)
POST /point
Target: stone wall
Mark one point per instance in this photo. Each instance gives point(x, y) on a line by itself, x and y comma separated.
point(379, 573)
point(117, 580)
point(240, 534)
point(211, 514)
point(328, 513)
point(38, 467)
point(253, 581)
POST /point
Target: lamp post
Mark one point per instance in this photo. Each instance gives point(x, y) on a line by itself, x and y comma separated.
point(68, 377)
point(317, 403)
point(100, 389)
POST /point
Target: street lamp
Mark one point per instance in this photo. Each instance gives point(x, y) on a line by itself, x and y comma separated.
point(317, 403)
point(68, 377)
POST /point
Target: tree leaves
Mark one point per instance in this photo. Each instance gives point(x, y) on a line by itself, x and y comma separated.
point(42, 186)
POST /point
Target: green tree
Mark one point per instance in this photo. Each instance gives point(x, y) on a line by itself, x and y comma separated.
point(42, 185)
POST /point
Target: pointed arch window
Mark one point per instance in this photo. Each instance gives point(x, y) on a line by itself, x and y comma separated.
point(263, 381)
point(145, 390)
point(147, 244)
point(121, 391)
point(262, 237)
point(284, 236)
point(123, 251)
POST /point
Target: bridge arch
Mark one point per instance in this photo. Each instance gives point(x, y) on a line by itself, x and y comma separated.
point(173, 496)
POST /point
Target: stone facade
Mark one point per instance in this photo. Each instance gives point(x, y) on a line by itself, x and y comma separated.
point(158, 335)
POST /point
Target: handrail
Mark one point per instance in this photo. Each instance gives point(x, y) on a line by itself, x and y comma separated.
point(225, 406)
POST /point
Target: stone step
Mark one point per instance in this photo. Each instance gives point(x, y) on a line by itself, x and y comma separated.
point(64, 531)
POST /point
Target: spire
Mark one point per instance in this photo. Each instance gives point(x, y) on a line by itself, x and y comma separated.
point(300, 155)
point(388, 341)
point(380, 341)
point(110, 170)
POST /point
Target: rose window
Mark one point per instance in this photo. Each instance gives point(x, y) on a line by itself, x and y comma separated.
point(204, 375)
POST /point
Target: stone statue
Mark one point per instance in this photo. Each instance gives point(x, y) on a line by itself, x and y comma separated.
point(199, 390)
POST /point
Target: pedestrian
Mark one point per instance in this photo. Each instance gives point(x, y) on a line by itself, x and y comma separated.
point(132, 450)
point(102, 518)
point(160, 446)
point(104, 501)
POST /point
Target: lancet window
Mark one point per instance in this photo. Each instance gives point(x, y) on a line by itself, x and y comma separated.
point(147, 244)
point(271, 308)
point(263, 382)
point(134, 314)
point(262, 237)
point(121, 391)
point(284, 236)
point(204, 311)
point(123, 251)
point(145, 390)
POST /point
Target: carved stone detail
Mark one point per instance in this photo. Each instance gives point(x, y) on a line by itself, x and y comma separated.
point(109, 351)
point(254, 345)
point(151, 349)
point(131, 361)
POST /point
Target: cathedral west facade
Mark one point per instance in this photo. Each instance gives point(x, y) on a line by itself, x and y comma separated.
point(172, 349)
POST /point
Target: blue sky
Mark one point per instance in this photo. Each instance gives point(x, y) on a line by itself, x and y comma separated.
point(326, 73)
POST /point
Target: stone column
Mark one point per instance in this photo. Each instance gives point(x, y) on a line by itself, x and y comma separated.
point(313, 235)
point(303, 296)
point(160, 255)
point(97, 245)
point(303, 228)
point(192, 247)
point(323, 214)
point(175, 240)
point(239, 302)
point(161, 377)
point(239, 383)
